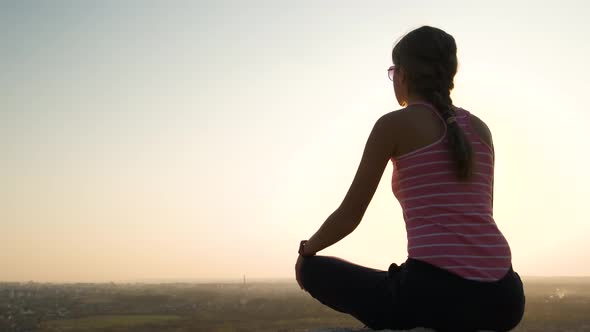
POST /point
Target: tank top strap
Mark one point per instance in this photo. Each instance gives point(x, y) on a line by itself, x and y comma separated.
point(463, 117)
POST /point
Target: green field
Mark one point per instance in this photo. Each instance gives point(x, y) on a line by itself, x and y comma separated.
point(552, 305)
point(107, 321)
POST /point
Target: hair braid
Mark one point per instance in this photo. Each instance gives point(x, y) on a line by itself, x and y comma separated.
point(429, 57)
point(460, 148)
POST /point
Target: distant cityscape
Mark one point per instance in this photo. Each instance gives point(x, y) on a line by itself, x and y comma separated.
point(24, 306)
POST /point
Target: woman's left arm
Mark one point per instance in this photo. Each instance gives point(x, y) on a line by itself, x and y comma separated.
point(378, 151)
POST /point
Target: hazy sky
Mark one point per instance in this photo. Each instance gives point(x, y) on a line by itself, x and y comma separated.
point(204, 139)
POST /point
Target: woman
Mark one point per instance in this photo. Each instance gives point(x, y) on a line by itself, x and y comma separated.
point(458, 275)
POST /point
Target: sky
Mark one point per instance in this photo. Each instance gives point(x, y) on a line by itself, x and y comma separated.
point(201, 140)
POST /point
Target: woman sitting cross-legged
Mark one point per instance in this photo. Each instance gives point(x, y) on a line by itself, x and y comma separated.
point(458, 275)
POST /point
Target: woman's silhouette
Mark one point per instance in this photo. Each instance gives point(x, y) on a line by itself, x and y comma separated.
point(458, 275)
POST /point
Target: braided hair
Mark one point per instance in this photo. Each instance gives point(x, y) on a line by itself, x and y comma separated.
point(429, 58)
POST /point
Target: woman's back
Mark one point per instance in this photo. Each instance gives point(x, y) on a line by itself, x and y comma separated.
point(449, 222)
point(421, 126)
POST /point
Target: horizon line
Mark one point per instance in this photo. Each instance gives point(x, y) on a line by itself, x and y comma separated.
point(226, 280)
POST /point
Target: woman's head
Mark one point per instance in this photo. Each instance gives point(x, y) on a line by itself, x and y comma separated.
point(425, 63)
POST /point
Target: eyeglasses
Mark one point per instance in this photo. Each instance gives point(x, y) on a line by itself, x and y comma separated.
point(390, 72)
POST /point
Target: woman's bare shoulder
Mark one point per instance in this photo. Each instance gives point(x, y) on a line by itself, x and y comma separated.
point(397, 117)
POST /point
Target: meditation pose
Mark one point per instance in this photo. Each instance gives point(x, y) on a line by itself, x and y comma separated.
point(458, 275)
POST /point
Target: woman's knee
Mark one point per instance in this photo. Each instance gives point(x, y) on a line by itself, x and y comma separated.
point(309, 272)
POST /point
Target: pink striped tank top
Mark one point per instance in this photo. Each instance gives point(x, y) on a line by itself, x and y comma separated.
point(449, 223)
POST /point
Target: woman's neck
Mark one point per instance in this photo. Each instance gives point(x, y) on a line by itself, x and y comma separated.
point(416, 100)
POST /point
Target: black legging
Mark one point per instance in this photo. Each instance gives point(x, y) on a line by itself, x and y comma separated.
point(415, 294)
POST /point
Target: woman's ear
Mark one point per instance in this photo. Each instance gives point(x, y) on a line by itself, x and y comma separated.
point(399, 86)
point(401, 73)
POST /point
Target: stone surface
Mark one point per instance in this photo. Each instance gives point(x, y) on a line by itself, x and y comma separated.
point(419, 329)
point(368, 330)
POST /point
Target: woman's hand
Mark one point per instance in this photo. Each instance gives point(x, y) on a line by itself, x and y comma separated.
point(298, 270)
